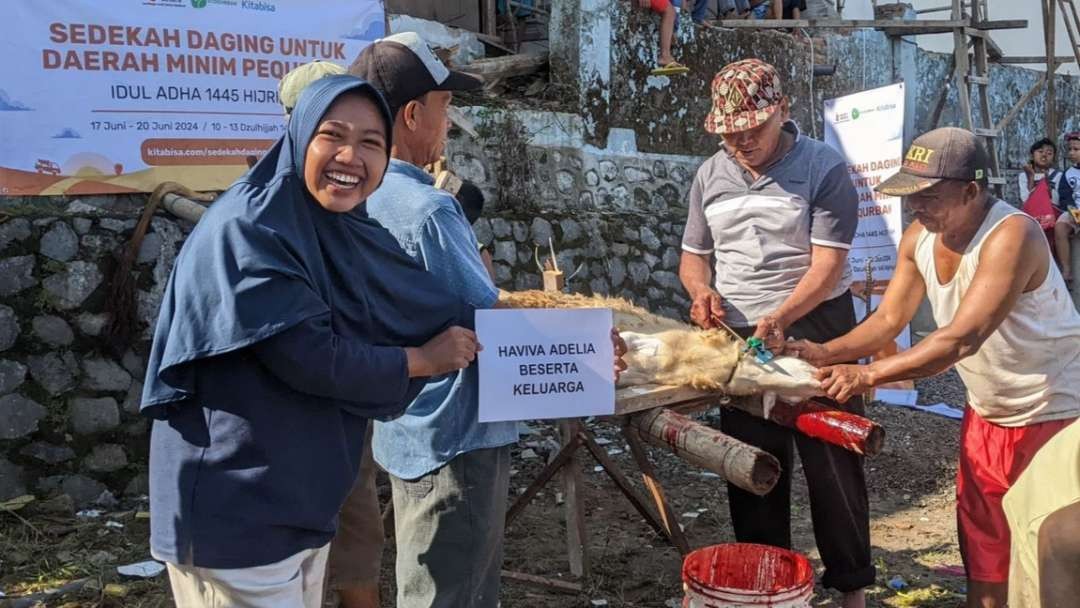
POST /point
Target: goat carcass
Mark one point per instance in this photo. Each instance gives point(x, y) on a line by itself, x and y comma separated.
point(666, 351)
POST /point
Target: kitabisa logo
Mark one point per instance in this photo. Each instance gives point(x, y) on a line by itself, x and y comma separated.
point(198, 3)
point(855, 113)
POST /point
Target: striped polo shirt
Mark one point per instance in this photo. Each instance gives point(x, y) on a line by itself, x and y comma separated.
point(760, 230)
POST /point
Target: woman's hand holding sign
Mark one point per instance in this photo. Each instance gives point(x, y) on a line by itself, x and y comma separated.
point(453, 349)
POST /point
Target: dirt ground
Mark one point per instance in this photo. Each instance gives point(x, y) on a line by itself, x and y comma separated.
point(912, 529)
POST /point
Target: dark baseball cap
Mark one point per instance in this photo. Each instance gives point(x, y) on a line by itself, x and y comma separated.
point(946, 153)
point(403, 67)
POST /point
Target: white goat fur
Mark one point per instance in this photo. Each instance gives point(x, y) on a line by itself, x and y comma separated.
point(665, 351)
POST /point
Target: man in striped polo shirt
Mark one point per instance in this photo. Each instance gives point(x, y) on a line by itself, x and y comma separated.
point(772, 216)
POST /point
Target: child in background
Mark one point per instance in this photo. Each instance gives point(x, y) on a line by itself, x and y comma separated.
point(777, 9)
point(668, 66)
point(1069, 200)
point(788, 9)
point(1039, 167)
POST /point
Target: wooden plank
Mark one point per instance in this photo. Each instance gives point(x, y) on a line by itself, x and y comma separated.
point(980, 80)
point(530, 7)
point(993, 51)
point(648, 477)
point(1001, 24)
point(1015, 111)
point(620, 480)
point(943, 95)
point(495, 42)
point(918, 31)
point(646, 397)
point(1049, 18)
point(564, 456)
point(544, 582)
point(935, 9)
point(1070, 26)
point(981, 132)
point(488, 19)
point(574, 507)
point(885, 24)
point(960, 74)
point(1014, 59)
point(942, 25)
point(506, 67)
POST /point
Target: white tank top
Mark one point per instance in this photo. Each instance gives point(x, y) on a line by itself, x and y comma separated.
point(1028, 370)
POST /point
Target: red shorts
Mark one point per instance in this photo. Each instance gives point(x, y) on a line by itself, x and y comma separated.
point(991, 458)
point(659, 6)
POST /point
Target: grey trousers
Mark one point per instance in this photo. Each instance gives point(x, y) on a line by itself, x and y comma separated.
point(449, 532)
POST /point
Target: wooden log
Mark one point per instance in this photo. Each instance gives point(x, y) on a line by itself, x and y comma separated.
point(747, 467)
point(183, 207)
point(849, 431)
point(506, 67)
point(820, 421)
point(574, 506)
point(543, 582)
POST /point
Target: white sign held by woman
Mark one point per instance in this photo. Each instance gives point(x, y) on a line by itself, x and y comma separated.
point(540, 363)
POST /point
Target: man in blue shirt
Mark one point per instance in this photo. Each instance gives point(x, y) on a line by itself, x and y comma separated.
point(449, 472)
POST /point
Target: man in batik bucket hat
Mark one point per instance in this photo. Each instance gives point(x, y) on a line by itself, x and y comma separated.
point(772, 216)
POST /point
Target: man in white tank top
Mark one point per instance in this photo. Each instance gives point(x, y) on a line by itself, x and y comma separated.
point(1005, 320)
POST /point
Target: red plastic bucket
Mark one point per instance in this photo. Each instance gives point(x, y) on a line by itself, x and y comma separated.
point(741, 574)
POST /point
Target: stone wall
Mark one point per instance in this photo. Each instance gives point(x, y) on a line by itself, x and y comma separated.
point(667, 114)
point(614, 215)
point(69, 420)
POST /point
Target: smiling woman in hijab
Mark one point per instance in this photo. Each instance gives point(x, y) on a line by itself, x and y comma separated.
point(290, 319)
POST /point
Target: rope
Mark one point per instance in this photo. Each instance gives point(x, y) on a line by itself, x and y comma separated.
point(120, 302)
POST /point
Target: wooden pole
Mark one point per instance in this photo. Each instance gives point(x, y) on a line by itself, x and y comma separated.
point(821, 421)
point(747, 467)
point(1015, 111)
point(621, 482)
point(648, 476)
point(490, 26)
point(574, 506)
point(570, 434)
point(1049, 24)
point(543, 582)
point(1068, 9)
point(553, 467)
point(943, 96)
point(962, 69)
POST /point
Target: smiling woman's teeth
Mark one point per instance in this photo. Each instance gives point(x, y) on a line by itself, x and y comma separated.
point(342, 179)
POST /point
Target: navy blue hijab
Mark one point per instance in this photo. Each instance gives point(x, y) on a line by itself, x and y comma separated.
point(266, 257)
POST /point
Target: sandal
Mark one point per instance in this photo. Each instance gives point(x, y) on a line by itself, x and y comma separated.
point(670, 69)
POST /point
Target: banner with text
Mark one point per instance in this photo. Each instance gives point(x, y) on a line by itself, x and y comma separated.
point(539, 363)
point(867, 128)
point(120, 96)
